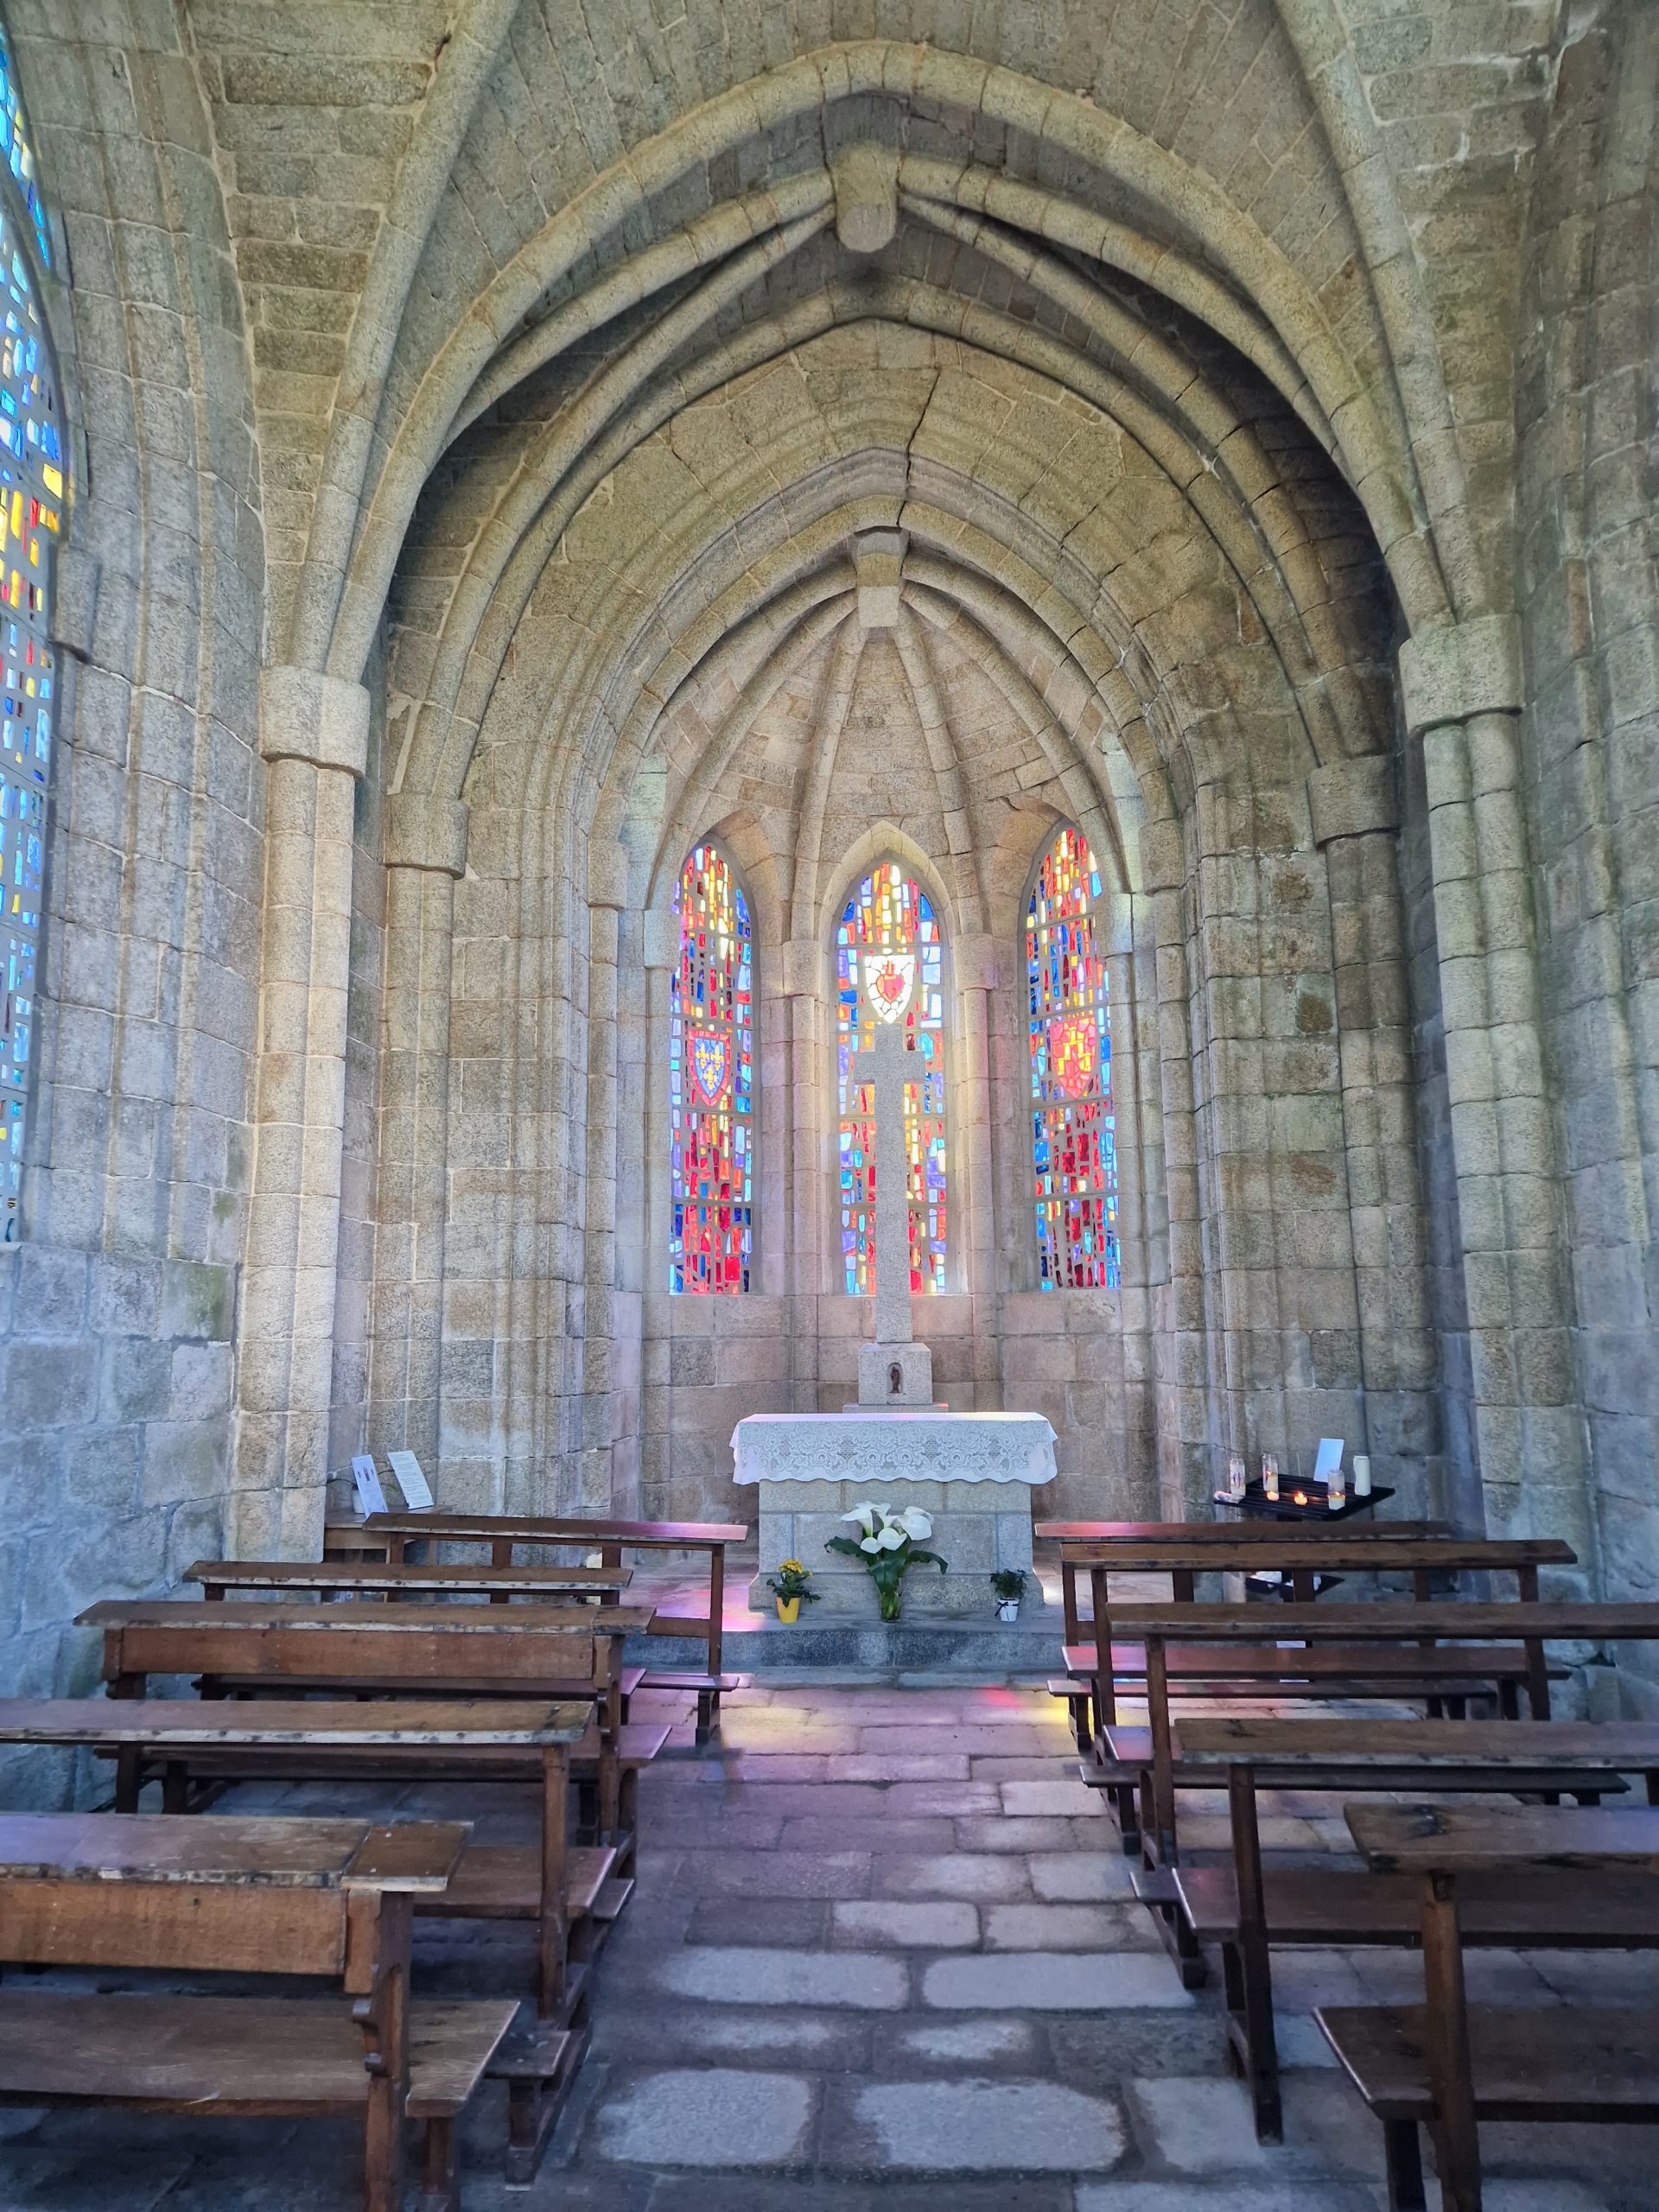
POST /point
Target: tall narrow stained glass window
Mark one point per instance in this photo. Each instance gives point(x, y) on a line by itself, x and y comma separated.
point(891, 915)
point(1073, 1139)
point(31, 518)
point(711, 1080)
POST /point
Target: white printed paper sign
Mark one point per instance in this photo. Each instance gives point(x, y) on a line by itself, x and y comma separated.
point(371, 1497)
point(1330, 1458)
point(417, 1491)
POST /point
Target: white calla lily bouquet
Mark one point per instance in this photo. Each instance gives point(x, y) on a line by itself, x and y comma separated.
point(888, 1545)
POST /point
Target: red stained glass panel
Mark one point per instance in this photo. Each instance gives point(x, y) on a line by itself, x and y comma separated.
point(711, 1081)
point(1074, 1149)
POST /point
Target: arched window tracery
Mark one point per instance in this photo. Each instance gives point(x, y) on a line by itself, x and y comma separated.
point(1074, 1150)
point(32, 495)
point(711, 1080)
point(889, 916)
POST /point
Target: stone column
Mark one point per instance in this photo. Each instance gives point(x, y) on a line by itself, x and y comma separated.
point(425, 853)
point(313, 733)
point(602, 1417)
point(974, 1208)
point(1180, 1340)
point(801, 965)
point(1355, 810)
point(1462, 693)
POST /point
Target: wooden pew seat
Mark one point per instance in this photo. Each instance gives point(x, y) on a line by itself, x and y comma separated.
point(234, 2055)
point(504, 1882)
point(1338, 1907)
point(1131, 1756)
point(1527, 2063)
point(1212, 1670)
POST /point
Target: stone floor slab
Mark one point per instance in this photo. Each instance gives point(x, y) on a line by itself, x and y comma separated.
point(706, 2116)
point(960, 1874)
point(1054, 1981)
point(895, 1924)
point(1080, 1877)
point(869, 1981)
point(1053, 1927)
point(983, 2127)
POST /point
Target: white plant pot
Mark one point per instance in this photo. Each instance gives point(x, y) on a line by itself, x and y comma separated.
point(1008, 1609)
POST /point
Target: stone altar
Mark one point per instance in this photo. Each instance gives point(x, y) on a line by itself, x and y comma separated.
point(972, 1472)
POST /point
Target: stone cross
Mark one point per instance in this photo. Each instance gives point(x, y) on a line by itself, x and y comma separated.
point(893, 1370)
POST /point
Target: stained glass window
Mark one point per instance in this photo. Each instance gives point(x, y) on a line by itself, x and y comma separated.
point(711, 1080)
point(1074, 1145)
point(14, 147)
point(889, 914)
point(31, 518)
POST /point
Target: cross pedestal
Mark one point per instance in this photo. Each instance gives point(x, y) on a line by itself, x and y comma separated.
point(894, 1370)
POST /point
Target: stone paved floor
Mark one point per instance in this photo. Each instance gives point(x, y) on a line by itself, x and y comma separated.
point(883, 1954)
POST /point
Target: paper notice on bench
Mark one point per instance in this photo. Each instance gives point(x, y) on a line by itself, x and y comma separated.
point(417, 1491)
point(371, 1498)
point(1330, 1458)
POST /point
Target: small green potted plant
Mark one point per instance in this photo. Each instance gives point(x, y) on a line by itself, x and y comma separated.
point(1009, 1584)
point(788, 1587)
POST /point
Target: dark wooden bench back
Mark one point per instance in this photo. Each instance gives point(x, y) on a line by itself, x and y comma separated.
point(414, 1650)
point(245, 1897)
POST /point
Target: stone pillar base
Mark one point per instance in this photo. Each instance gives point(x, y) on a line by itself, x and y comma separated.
point(895, 1375)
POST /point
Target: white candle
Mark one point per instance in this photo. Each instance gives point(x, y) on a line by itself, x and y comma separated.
point(1362, 1475)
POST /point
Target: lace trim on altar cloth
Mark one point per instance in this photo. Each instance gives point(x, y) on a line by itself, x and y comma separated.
point(893, 1447)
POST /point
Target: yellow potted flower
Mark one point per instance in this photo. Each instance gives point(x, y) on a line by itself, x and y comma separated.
point(788, 1587)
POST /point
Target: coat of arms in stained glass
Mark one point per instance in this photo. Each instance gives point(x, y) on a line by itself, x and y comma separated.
point(888, 968)
point(1073, 1136)
point(711, 1081)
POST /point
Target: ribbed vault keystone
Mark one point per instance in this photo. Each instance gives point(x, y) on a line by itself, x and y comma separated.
point(865, 179)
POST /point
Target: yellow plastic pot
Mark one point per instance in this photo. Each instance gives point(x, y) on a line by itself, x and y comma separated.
point(789, 1609)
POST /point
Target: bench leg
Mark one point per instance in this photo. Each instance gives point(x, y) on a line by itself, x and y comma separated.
point(1403, 2157)
point(708, 1714)
point(440, 2181)
point(1252, 2052)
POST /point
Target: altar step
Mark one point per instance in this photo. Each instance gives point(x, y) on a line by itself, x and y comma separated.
point(978, 1647)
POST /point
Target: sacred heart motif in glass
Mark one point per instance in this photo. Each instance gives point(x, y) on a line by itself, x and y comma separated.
point(889, 979)
point(1073, 1054)
point(711, 1063)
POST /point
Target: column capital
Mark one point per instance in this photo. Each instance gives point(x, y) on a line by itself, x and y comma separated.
point(305, 715)
point(1351, 799)
point(1467, 668)
point(426, 831)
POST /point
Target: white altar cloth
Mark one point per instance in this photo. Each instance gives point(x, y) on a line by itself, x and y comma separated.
point(883, 1446)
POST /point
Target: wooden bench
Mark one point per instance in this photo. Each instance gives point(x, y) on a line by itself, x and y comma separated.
point(1447, 2064)
point(503, 1532)
point(1250, 1906)
point(380, 1578)
point(1282, 1629)
point(369, 1650)
point(1362, 1671)
point(323, 1899)
point(1303, 1557)
point(1207, 1532)
point(405, 1580)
